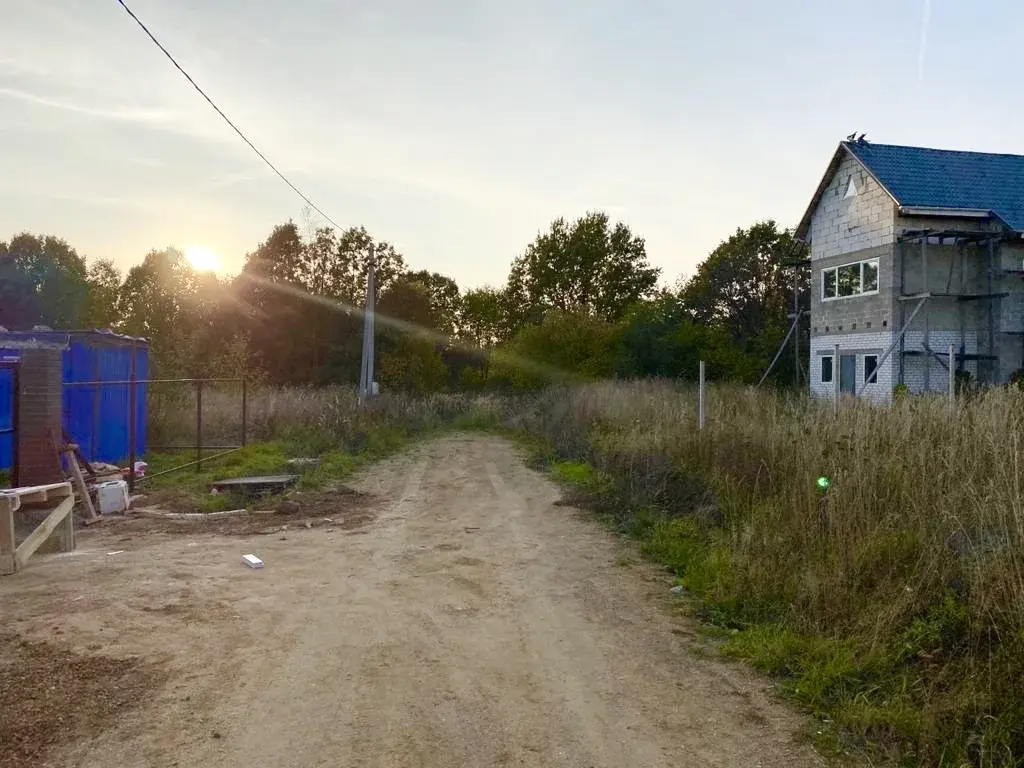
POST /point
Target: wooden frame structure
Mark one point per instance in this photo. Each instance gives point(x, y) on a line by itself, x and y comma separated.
point(58, 498)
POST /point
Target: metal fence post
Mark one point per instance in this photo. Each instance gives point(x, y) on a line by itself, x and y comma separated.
point(245, 411)
point(702, 396)
point(835, 379)
point(132, 416)
point(199, 425)
point(952, 380)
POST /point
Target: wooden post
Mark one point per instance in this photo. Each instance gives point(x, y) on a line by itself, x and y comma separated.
point(702, 397)
point(83, 491)
point(7, 548)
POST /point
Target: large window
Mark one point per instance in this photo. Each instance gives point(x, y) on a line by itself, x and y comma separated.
point(849, 280)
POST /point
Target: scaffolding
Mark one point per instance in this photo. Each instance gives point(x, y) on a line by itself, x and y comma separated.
point(984, 287)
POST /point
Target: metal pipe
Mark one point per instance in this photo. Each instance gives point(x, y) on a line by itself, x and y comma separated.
point(903, 311)
point(132, 418)
point(926, 340)
point(896, 342)
point(149, 381)
point(199, 426)
point(192, 447)
point(245, 410)
point(15, 419)
point(796, 341)
point(187, 465)
point(993, 363)
point(782, 346)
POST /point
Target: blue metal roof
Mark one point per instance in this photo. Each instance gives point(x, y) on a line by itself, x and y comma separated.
point(943, 178)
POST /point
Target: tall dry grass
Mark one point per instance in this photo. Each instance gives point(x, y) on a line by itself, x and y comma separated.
point(316, 418)
point(912, 563)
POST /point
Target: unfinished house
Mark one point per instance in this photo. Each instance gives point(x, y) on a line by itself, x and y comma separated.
point(915, 251)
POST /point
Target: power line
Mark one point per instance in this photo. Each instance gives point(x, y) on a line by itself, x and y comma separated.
point(226, 119)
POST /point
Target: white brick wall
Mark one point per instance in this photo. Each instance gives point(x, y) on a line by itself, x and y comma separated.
point(841, 225)
point(859, 344)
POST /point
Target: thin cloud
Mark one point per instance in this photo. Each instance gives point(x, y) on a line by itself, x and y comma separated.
point(117, 113)
point(923, 47)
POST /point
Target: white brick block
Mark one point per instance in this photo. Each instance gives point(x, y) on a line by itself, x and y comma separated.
point(858, 344)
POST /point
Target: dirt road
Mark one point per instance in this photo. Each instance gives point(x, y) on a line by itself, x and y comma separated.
point(472, 623)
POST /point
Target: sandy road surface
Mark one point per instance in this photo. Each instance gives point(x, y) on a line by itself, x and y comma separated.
point(472, 623)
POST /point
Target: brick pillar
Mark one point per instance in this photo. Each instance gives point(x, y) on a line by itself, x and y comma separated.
point(39, 425)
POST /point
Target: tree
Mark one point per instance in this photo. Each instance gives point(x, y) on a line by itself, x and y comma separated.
point(273, 306)
point(483, 320)
point(587, 266)
point(661, 339)
point(104, 286)
point(42, 282)
point(157, 301)
point(444, 298)
point(408, 346)
point(744, 289)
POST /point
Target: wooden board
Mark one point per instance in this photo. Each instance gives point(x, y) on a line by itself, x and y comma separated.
point(83, 491)
point(40, 495)
point(35, 539)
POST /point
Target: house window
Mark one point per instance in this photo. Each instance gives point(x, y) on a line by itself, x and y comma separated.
point(870, 364)
point(826, 369)
point(849, 280)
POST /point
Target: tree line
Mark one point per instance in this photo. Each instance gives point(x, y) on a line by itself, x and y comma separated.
point(581, 300)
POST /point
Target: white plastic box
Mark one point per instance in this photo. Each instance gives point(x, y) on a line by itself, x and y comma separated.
point(112, 497)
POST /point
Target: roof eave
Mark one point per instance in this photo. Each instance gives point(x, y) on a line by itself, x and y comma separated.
point(954, 213)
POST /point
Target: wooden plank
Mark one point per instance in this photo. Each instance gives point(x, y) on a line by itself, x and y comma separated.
point(52, 490)
point(8, 563)
point(76, 473)
point(35, 539)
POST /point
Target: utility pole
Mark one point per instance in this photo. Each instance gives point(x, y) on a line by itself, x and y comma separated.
point(366, 390)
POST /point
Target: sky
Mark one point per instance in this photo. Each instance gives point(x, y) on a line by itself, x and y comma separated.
point(459, 129)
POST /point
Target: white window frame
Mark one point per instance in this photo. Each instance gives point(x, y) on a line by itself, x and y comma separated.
point(865, 364)
point(836, 269)
point(821, 375)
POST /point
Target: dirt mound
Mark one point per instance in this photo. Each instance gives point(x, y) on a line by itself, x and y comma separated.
point(53, 695)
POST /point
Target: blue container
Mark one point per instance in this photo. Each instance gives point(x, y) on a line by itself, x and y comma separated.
point(95, 416)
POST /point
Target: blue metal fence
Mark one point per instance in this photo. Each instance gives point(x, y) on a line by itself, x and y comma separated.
point(95, 416)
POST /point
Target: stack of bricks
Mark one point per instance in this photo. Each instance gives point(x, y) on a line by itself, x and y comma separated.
point(40, 400)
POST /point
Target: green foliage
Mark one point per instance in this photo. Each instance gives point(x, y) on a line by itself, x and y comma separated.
point(587, 267)
point(563, 346)
point(743, 291)
point(42, 282)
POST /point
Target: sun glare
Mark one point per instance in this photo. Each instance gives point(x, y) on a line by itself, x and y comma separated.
point(203, 259)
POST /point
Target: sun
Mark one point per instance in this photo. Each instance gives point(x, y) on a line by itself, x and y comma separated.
point(203, 259)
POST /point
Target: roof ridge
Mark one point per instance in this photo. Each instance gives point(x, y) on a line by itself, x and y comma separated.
point(854, 145)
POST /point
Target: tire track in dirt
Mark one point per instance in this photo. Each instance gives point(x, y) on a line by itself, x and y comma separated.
point(473, 623)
